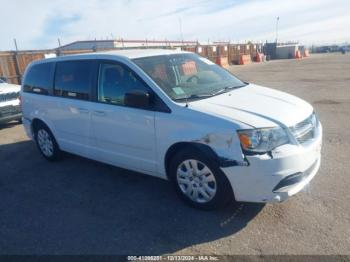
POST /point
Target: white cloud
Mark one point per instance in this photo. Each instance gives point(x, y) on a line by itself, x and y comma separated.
point(38, 23)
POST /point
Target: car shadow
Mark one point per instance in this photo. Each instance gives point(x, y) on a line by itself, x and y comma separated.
point(79, 206)
point(9, 124)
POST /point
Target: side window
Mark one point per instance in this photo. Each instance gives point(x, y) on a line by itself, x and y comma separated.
point(73, 79)
point(115, 81)
point(39, 79)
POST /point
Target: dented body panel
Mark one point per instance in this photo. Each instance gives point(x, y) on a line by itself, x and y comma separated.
point(188, 125)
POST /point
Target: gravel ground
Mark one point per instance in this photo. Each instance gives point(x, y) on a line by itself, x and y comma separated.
point(80, 206)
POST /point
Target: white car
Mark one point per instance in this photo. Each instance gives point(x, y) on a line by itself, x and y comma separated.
point(176, 116)
point(9, 102)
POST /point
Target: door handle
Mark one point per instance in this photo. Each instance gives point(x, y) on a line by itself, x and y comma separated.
point(83, 110)
point(100, 113)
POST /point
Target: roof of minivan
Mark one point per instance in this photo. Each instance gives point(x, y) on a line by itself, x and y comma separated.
point(128, 53)
point(137, 53)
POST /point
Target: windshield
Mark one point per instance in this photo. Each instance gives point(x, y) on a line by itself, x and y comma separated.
point(187, 76)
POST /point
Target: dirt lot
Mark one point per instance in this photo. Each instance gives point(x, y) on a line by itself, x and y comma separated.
point(79, 206)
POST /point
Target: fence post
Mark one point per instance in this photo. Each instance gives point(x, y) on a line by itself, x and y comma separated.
point(228, 53)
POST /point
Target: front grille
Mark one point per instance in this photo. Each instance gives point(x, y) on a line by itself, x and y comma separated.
point(305, 130)
point(9, 96)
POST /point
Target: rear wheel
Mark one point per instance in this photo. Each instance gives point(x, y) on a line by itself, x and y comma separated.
point(199, 181)
point(46, 143)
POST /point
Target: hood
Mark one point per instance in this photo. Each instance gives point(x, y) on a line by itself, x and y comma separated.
point(256, 106)
point(9, 88)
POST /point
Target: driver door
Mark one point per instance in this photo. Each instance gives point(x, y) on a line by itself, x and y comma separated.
point(122, 135)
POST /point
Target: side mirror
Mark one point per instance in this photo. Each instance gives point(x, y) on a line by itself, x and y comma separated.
point(137, 98)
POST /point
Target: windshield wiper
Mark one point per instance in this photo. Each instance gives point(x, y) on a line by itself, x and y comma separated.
point(199, 96)
point(194, 96)
point(226, 89)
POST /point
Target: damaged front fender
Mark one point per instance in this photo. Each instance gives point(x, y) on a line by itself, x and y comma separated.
point(224, 147)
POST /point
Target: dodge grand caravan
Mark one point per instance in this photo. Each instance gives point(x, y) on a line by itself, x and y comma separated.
point(177, 116)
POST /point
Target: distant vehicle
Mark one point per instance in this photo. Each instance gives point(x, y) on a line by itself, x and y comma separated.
point(328, 49)
point(3, 79)
point(9, 102)
point(177, 116)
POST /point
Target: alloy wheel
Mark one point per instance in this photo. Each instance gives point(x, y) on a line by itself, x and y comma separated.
point(45, 142)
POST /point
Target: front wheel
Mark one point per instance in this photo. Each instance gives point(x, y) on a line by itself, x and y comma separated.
point(199, 181)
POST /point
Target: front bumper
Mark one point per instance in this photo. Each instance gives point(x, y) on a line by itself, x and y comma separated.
point(8, 118)
point(275, 179)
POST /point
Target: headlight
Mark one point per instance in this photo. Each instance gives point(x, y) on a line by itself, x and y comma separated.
point(262, 140)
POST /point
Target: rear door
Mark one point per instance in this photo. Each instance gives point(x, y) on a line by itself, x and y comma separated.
point(123, 136)
point(73, 83)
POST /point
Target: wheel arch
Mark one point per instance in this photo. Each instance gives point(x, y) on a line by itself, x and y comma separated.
point(37, 122)
point(173, 149)
point(210, 153)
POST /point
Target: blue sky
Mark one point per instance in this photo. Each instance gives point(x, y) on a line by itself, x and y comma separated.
point(38, 23)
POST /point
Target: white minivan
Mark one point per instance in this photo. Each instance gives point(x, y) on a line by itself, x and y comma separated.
point(177, 116)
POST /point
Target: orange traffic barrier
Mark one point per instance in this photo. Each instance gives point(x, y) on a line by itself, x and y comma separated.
point(297, 54)
point(306, 53)
point(222, 61)
point(245, 59)
point(259, 57)
point(189, 68)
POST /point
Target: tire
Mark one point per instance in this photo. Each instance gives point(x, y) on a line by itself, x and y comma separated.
point(213, 188)
point(46, 143)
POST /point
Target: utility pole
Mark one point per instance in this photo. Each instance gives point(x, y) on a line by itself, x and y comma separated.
point(15, 41)
point(18, 72)
point(277, 20)
point(58, 50)
point(181, 33)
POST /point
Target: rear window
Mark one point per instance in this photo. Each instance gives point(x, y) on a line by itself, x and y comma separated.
point(39, 79)
point(73, 79)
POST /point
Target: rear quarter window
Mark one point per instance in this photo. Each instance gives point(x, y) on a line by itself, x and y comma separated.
point(39, 79)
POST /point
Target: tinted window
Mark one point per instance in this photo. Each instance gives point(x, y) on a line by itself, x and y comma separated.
point(115, 81)
point(73, 79)
point(39, 79)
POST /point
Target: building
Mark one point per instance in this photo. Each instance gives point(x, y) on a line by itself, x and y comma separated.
point(122, 43)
